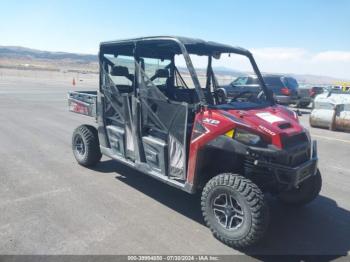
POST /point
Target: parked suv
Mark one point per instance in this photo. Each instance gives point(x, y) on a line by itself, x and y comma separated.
point(284, 88)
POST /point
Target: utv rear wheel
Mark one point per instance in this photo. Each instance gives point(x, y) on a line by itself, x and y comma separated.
point(307, 191)
point(235, 210)
point(85, 145)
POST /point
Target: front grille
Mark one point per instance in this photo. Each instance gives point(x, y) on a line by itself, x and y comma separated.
point(296, 151)
point(291, 157)
point(299, 158)
point(291, 141)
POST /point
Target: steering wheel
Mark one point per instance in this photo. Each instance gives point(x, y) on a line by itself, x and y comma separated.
point(241, 94)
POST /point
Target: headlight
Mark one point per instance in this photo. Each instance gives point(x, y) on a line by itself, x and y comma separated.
point(246, 137)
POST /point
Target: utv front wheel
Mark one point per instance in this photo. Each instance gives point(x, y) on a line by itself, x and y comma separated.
point(85, 145)
point(234, 209)
point(307, 191)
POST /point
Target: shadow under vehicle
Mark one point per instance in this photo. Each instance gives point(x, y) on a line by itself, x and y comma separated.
point(317, 232)
point(169, 126)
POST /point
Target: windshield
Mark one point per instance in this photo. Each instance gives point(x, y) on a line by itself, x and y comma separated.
point(229, 81)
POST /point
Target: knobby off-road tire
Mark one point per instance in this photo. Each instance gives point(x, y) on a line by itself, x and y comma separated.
point(251, 213)
point(307, 191)
point(86, 146)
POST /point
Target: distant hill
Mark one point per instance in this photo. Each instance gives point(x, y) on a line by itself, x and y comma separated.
point(21, 58)
point(23, 52)
point(25, 58)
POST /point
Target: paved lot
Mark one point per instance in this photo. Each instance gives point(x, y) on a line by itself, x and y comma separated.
point(51, 205)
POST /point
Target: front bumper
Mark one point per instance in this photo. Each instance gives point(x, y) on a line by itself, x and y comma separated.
point(289, 176)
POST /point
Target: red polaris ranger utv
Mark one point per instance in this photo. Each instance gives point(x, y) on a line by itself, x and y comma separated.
point(160, 110)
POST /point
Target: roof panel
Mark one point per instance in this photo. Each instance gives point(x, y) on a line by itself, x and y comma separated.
point(168, 45)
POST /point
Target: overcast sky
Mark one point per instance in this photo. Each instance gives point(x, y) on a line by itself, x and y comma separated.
point(305, 37)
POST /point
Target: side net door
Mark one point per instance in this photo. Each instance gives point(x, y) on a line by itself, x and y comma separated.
point(117, 88)
point(163, 124)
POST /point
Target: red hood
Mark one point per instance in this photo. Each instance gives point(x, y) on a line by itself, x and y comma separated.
point(271, 122)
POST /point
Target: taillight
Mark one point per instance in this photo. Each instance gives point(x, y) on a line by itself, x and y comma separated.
point(285, 91)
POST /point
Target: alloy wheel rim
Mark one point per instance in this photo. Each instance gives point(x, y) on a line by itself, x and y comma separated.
point(227, 211)
point(79, 145)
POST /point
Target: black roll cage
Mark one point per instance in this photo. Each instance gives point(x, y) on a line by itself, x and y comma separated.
point(185, 46)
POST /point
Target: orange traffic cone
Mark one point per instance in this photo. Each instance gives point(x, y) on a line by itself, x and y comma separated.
point(73, 83)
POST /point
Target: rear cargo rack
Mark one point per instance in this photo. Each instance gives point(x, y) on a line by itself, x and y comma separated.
point(83, 102)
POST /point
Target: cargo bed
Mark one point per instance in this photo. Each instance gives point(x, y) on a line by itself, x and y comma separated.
point(83, 102)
